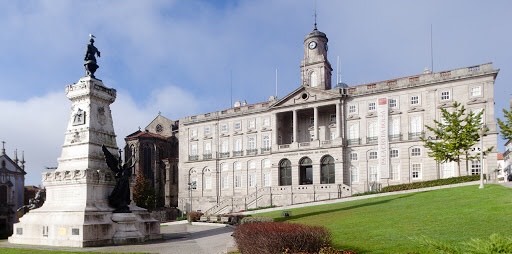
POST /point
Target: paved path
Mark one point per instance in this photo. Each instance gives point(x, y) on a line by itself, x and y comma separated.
point(179, 238)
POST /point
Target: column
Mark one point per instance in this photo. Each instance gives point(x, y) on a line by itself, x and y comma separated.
point(315, 120)
point(338, 120)
point(275, 135)
point(294, 125)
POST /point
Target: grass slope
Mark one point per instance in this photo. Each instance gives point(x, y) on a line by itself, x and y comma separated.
point(394, 224)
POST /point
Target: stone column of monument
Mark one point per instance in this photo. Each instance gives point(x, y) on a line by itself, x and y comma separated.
point(76, 211)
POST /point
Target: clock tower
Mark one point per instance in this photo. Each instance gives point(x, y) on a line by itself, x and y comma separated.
point(315, 68)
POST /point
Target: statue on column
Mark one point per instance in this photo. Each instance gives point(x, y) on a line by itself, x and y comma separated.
point(90, 58)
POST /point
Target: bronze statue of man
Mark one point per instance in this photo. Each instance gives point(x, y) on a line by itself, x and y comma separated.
point(90, 58)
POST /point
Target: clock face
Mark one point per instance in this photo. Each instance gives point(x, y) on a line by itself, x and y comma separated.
point(312, 45)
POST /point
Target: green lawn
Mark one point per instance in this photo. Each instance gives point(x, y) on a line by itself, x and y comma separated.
point(393, 224)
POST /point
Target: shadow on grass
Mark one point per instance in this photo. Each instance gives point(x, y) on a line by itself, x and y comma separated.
point(300, 216)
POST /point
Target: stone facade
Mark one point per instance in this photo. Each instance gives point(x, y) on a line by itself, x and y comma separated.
point(156, 154)
point(320, 143)
point(12, 181)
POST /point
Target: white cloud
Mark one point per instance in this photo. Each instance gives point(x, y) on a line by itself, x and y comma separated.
point(37, 125)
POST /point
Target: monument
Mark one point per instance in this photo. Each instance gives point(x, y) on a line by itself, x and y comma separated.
point(82, 207)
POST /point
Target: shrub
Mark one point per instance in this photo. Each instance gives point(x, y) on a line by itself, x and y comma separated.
point(278, 237)
point(255, 219)
point(493, 245)
point(425, 184)
point(194, 216)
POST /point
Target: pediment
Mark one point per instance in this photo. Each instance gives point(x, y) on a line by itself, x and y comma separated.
point(305, 95)
point(415, 109)
point(476, 101)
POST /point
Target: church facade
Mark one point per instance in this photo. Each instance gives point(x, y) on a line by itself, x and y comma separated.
point(321, 142)
point(12, 181)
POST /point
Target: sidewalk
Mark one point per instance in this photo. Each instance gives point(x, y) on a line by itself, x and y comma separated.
point(178, 237)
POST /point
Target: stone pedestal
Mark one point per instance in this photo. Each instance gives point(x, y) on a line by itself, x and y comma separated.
point(76, 211)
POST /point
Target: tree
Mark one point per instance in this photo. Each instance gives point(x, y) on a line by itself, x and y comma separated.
point(454, 135)
point(143, 192)
point(506, 125)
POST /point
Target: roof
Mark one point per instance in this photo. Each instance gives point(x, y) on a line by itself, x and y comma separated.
point(144, 134)
point(500, 156)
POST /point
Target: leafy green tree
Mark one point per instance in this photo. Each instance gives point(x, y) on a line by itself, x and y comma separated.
point(143, 192)
point(506, 124)
point(455, 135)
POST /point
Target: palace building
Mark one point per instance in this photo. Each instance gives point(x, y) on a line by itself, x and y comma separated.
point(322, 142)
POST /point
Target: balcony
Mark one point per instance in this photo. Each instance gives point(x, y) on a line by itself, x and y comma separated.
point(193, 157)
point(354, 141)
point(207, 156)
point(224, 155)
point(416, 135)
point(265, 150)
point(238, 153)
point(395, 137)
point(251, 151)
point(372, 140)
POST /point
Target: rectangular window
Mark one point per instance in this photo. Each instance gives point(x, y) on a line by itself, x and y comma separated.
point(445, 95)
point(352, 109)
point(193, 149)
point(416, 151)
point(373, 173)
point(237, 126)
point(238, 145)
point(224, 128)
point(265, 142)
point(332, 135)
point(353, 131)
point(415, 100)
point(332, 118)
point(393, 103)
point(208, 148)
point(207, 131)
point(373, 155)
point(476, 167)
point(353, 156)
point(447, 169)
point(395, 172)
point(252, 124)
point(371, 106)
point(476, 91)
point(251, 142)
point(394, 126)
point(266, 122)
point(476, 112)
point(193, 133)
point(372, 129)
point(416, 171)
point(416, 126)
point(393, 153)
point(224, 147)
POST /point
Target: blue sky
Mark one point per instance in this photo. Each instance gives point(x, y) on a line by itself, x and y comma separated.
point(181, 57)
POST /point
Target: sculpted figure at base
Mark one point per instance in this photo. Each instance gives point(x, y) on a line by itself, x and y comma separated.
point(90, 58)
point(120, 196)
point(33, 203)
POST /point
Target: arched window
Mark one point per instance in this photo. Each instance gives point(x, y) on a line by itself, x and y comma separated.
point(327, 170)
point(313, 79)
point(306, 171)
point(285, 172)
point(148, 163)
point(207, 179)
point(193, 181)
